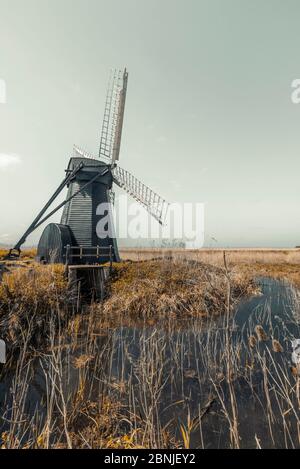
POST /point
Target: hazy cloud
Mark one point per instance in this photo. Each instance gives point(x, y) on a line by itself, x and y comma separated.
point(8, 161)
point(76, 88)
point(4, 238)
point(175, 184)
point(161, 139)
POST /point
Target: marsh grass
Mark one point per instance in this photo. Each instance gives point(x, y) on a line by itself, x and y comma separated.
point(125, 374)
point(33, 286)
point(29, 297)
point(138, 291)
point(26, 254)
point(174, 289)
point(215, 256)
point(151, 388)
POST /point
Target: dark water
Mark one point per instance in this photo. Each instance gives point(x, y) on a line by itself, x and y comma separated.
point(194, 359)
point(181, 374)
point(278, 308)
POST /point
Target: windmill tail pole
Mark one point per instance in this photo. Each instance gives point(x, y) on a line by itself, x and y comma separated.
point(15, 252)
point(101, 173)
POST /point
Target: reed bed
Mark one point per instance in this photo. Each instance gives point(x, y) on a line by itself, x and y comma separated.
point(159, 364)
point(151, 387)
point(153, 290)
point(174, 289)
point(29, 296)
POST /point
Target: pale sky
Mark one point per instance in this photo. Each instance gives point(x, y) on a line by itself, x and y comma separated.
point(208, 118)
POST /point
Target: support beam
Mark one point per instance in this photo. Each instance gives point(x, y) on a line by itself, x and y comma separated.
point(35, 224)
point(70, 198)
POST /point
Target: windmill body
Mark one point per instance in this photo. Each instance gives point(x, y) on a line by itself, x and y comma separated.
point(80, 218)
point(77, 239)
point(80, 214)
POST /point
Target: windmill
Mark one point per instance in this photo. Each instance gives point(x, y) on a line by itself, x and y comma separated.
point(90, 181)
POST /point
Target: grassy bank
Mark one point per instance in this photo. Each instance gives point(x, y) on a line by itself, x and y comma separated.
point(138, 291)
point(174, 289)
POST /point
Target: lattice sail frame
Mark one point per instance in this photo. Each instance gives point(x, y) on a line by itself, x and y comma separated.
point(109, 150)
point(77, 151)
point(111, 132)
point(153, 203)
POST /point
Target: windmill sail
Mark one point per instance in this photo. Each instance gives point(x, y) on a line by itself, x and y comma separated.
point(79, 152)
point(111, 133)
point(119, 118)
point(153, 203)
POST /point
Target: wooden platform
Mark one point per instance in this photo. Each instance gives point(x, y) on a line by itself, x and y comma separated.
point(88, 282)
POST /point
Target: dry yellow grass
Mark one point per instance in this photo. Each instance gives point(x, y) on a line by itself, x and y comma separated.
point(178, 289)
point(215, 256)
point(172, 287)
point(210, 256)
point(37, 286)
point(276, 263)
point(26, 254)
point(98, 410)
point(29, 296)
point(290, 272)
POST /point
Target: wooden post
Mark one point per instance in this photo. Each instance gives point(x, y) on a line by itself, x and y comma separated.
point(68, 254)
